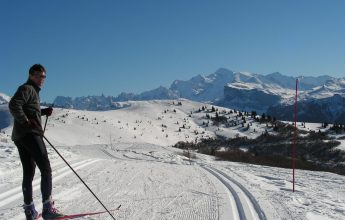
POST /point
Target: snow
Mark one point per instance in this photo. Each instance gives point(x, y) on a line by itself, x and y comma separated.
point(139, 169)
point(267, 87)
point(318, 126)
point(4, 98)
point(313, 216)
point(342, 144)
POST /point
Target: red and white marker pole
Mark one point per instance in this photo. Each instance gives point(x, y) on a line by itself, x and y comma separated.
point(294, 144)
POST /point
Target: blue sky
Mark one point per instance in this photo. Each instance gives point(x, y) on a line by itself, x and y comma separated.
point(92, 47)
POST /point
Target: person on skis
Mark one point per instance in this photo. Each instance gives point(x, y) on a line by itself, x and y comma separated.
point(27, 135)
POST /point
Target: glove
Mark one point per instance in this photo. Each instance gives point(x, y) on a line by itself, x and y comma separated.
point(47, 111)
point(31, 123)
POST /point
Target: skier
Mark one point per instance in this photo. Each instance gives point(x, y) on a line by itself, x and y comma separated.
point(27, 135)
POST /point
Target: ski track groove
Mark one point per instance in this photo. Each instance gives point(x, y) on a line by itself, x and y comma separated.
point(7, 184)
point(110, 155)
point(237, 208)
point(249, 196)
point(181, 213)
point(35, 182)
point(244, 200)
point(16, 193)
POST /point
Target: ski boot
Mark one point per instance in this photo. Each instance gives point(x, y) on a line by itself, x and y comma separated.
point(49, 211)
point(30, 211)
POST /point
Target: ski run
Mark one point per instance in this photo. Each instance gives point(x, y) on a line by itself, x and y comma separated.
point(126, 158)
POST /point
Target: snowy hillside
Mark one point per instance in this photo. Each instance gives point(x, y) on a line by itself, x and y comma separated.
point(155, 122)
point(125, 157)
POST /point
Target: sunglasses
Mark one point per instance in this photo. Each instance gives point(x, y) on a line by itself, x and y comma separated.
point(37, 75)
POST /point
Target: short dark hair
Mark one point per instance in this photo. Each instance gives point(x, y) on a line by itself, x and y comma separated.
point(36, 68)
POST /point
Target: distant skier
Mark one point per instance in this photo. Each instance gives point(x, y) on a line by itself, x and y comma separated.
point(27, 135)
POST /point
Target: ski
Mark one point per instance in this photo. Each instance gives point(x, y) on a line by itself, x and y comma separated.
point(74, 216)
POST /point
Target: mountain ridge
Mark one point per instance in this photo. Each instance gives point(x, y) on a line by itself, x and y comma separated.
point(239, 90)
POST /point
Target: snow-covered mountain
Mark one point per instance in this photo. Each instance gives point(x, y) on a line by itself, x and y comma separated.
point(4, 99)
point(5, 116)
point(101, 103)
point(199, 88)
point(325, 103)
point(328, 89)
point(257, 92)
point(330, 109)
point(204, 88)
point(305, 83)
point(250, 91)
point(217, 87)
point(93, 103)
point(157, 94)
point(239, 90)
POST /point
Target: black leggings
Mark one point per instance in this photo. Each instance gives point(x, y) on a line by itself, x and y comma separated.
point(32, 151)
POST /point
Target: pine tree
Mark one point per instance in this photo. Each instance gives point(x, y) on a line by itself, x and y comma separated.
point(263, 116)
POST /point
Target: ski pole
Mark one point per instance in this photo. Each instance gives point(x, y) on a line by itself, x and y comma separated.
point(78, 177)
point(45, 124)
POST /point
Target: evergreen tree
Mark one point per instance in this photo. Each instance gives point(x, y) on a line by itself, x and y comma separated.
point(263, 116)
point(269, 118)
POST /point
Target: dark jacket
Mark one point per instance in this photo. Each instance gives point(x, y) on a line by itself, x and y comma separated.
point(25, 105)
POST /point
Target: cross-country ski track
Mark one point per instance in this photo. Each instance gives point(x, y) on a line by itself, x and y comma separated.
point(243, 205)
point(150, 182)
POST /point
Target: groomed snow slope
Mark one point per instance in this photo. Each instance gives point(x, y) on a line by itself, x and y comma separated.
point(151, 180)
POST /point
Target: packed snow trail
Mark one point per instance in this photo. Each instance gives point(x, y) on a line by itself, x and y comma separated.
point(155, 182)
point(146, 187)
point(16, 193)
point(243, 204)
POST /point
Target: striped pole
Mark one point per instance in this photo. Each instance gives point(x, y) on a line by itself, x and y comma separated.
point(294, 144)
